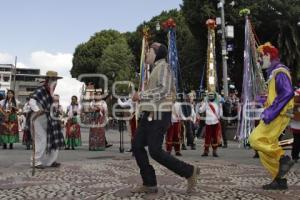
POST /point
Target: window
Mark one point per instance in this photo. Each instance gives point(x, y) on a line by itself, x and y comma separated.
point(6, 78)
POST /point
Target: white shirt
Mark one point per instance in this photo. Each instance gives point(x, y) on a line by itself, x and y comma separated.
point(72, 109)
point(26, 108)
point(176, 112)
point(127, 103)
point(100, 104)
point(5, 107)
point(211, 118)
point(33, 105)
point(192, 116)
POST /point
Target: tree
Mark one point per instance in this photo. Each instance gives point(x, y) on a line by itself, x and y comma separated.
point(117, 63)
point(87, 56)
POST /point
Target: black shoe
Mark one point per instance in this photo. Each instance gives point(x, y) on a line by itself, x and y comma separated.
point(4, 146)
point(108, 145)
point(28, 147)
point(285, 164)
point(205, 154)
point(11, 146)
point(183, 147)
point(193, 147)
point(224, 146)
point(39, 167)
point(55, 164)
point(215, 154)
point(256, 155)
point(295, 160)
point(67, 148)
point(73, 148)
point(130, 150)
point(276, 184)
point(178, 154)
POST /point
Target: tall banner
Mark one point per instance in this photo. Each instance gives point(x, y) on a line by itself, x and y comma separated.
point(173, 61)
point(253, 84)
point(144, 68)
point(211, 72)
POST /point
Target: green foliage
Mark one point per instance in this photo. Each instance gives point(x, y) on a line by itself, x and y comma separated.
point(116, 62)
point(274, 21)
point(87, 56)
point(107, 52)
point(113, 53)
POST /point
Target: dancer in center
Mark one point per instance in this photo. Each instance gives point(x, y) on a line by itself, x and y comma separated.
point(155, 106)
point(274, 118)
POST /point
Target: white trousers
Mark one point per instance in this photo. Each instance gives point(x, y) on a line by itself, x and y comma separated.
point(41, 157)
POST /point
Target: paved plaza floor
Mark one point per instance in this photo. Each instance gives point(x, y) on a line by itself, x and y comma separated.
point(111, 175)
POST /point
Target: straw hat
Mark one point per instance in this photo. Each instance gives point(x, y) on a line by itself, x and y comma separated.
point(52, 75)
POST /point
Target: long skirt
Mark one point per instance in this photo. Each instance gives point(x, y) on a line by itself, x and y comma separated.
point(97, 139)
point(9, 130)
point(73, 134)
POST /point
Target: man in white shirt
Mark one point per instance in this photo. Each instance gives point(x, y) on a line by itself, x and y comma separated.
point(213, 111)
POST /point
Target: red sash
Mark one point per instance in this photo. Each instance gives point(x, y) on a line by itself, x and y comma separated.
point(219, 127)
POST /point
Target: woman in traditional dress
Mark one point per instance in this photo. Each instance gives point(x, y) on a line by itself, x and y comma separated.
point(9, 131)
point(73, 135)
point(99, 119)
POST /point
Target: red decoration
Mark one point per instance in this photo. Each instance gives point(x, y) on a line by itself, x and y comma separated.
point(211, 23)
point(170, 23)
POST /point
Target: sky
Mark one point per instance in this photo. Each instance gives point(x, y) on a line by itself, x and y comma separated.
point(44, 34)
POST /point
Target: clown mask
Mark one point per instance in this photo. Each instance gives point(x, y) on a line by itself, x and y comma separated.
point(265, 61)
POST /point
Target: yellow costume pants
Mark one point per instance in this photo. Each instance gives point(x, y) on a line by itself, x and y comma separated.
point(264, 139)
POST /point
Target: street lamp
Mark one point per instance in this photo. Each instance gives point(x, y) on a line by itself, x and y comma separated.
point(224, 48)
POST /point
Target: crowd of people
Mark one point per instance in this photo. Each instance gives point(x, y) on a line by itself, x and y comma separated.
point(181, 120)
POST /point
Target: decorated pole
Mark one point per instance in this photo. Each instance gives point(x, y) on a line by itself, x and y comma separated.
point(211, 74)
point(173, 61)
point(253, 83)
point(144, 68)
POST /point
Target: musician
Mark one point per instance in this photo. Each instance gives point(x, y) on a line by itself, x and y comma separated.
point(189, 120)
point(128, 103)
point(9, 128)
point(213, 112)
point(174, 131)
point(274, 118)
point(47, 139)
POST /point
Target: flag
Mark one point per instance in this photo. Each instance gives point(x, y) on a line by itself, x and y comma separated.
point(173, 56)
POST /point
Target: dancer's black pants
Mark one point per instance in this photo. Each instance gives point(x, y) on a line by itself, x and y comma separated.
point(151, 134)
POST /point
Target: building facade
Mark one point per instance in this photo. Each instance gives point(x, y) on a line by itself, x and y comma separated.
point(22, 80)
point(5, 77)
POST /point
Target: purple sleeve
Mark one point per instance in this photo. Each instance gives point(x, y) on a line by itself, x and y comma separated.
point(261, 99)
point(284, 92)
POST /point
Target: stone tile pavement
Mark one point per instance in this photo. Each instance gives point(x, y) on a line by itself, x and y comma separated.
point(113, 178)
